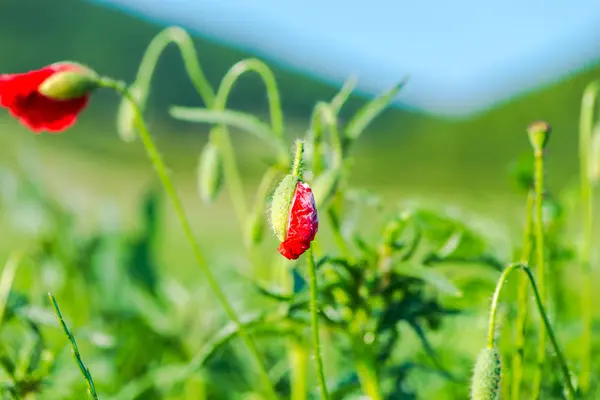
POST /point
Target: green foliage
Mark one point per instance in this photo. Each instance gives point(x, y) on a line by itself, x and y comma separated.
point(399, 287)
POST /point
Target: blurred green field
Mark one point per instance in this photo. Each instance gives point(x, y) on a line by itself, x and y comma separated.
point(456, 164)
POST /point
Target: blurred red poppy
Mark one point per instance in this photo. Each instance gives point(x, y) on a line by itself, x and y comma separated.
point(20, 94)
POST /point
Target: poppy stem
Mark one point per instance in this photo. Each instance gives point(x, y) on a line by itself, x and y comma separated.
point(312, 275)
point(169, 187)
point(586, 125)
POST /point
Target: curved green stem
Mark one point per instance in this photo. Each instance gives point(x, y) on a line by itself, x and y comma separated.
point(586, 124)
point(494, 308)
point(229, 160)
point(185, 44)
point(540, 264)
point(522, 304)
point(546, 322)
point(140, 88)
point(163, 174)
point(312, 274)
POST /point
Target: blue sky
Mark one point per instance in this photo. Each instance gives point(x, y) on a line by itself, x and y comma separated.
point(462, 56)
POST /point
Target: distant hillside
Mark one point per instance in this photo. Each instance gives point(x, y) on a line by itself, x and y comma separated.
point(37, 32)
point(417, 149)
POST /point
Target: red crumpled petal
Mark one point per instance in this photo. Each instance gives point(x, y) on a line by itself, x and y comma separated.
point(19, 94)
point(303, 223)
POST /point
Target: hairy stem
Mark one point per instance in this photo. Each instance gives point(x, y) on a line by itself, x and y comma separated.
point(522, 304)
point(585, 138)
point(163, 174)
point(540, 264)
point(312, 273)
point(543, 314)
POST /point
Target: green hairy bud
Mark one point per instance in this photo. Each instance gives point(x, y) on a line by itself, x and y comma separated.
point(210, 173)
point(280, 207)
point(487, 376)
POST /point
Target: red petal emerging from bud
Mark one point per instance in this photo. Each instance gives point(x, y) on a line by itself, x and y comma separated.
point(303, 223)
point(19, 94)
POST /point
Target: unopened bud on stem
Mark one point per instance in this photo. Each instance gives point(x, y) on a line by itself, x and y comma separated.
point(539, 133)
point(72, 82)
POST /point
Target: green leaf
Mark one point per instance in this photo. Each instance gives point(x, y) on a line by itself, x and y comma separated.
point(369, 112)
point(343, 95)
point(236, 119)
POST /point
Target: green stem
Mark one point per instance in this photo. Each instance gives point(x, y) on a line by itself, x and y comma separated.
point(323, 116)
point(540, 306)
point(6, 280)
point(297, 167)
point(585, 138)
point(540, 264)
point(185, 44)
point(299, 362)
point(494, 308)
point(368, 378)
point(231, 168)
point(312, 273)
point(163, 174)
point(522, 307)
point(559, 355)
point(84, 370)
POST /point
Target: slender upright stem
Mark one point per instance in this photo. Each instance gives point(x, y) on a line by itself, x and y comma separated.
point(163, 174)
point(312, 274)
point(75, 349)
point(522, 304)
point(367, 377)
point(586, 124)
point(559, 355)
point(298, 355)
point(540, 264)
point(494, 308)
point(543, 314)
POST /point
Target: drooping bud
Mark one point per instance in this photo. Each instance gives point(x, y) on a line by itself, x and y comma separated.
point(210, 173)
point(487, 375)
point(294, 212)
point(72, 81)
point(539, 133)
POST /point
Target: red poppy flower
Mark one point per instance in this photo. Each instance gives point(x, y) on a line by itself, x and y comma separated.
point(303, 223)
point(20, 94)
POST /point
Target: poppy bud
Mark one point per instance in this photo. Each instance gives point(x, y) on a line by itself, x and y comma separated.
point(487, 375)
point(539, 133)
point(294, 216)
point(210, 173)
point(72, 82)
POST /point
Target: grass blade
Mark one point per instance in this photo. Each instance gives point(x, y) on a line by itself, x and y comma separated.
point(84, 370)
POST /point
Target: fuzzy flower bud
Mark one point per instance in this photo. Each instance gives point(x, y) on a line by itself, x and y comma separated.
point(294, 216)
point(487, 376)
